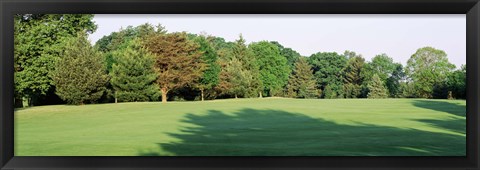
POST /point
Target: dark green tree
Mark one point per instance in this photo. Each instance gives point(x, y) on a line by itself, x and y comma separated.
point(133, 77)
point(301, 83)
point(291, 55)
point(377, 88)
point(427, 67)
point(210, 77)
point(327, 69)
point(79, 76)
point(457, 83)
point(273, 67)
point(393, 82)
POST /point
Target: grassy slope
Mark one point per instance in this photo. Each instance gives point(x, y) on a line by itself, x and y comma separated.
point(245, 127)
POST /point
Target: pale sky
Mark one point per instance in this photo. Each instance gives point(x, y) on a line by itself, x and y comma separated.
point(399, 36)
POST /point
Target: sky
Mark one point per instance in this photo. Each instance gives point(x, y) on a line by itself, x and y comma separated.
point(398, 36)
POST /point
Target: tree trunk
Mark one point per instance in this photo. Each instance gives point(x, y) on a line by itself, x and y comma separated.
point(236, 97)
point(164, 95)
point(116, 100)
point(18, 102)
point(202, 94)
point(260, 93)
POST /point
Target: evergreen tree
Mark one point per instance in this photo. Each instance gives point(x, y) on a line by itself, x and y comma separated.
point(133, 77)
point(352, 75)
point(210, 77)
point(301, 83)
point(79, 76)
point(329, 92)
point(376, 88)
point(177, 61)
point(248, 73)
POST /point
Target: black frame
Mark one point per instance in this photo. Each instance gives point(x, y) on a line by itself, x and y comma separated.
point(469, 7)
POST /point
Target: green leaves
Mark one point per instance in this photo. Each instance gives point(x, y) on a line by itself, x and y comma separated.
point(80, 77)
point(427, 67)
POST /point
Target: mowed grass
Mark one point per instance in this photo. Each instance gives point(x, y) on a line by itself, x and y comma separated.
point(246, 127)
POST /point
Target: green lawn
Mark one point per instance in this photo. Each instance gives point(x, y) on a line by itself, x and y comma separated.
point(247, 127)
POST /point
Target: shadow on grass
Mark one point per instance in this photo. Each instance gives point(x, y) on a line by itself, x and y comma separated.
point(456, 124)
point(442, 106)
point(251, 132)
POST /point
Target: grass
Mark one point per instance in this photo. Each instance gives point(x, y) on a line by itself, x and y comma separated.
point(246, 127)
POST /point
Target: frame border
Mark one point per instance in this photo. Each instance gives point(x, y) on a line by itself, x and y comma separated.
point(469, 7)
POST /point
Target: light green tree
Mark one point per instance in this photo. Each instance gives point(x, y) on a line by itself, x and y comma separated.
point(427, 67)
point(376, 88)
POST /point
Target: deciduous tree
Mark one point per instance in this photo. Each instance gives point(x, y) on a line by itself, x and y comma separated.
point(177, 61)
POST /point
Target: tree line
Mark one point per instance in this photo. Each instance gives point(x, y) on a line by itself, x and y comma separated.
point(55, 63)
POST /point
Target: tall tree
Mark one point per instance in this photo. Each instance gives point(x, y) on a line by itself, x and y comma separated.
point(393, 82)
point(291, 55)
point(377, 88)
point(351, 76)
point(383, 66)
point(133, 77)
point(38, 44)
point(210, 77)
point(79, 76)
point(457, 83)
point(301, 83)
point(249, 73)
point(327, 69)
point(273, 67)
point(177, 61)
point(427, 67)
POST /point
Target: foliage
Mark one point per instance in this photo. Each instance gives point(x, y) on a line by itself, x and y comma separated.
point(301, 83)
point(291, 55)
point(376, 88)
point(79, 77)
point(37, 46)
point(457, 83)
point(427, 67)
point(273, 67)
point(327, 69)
point(393, 82)
point(133, 77)
point(177, 61)
point(352, 76)
point(210, 77)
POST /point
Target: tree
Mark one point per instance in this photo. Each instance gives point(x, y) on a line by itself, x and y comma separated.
point(79, 76)
point(301, 83)
point(210, 77)
point(377, 89)
point(351, 76)
point(456, 83)
point(383, 66)
point(273, 67)
point(177, 61)
point(133, 77)
point(291, 55)
point(38, 44)
point(327, 69)
point(393, 82)
point(427, 67)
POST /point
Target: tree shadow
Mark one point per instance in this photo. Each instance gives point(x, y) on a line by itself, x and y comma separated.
point(251, 132)
point(457, 123)
point(442, 106)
